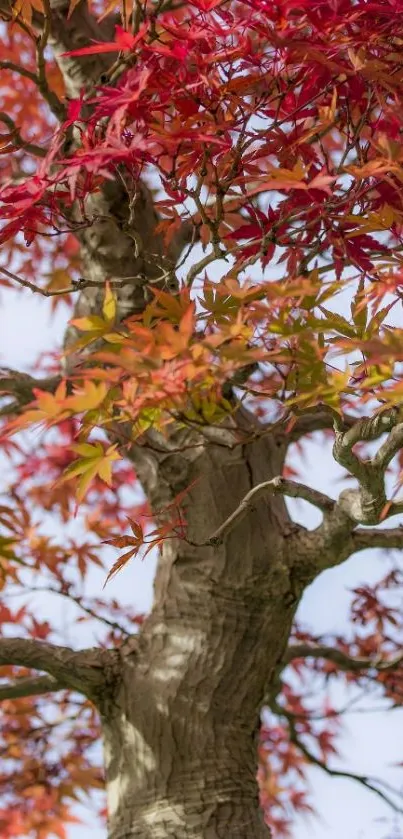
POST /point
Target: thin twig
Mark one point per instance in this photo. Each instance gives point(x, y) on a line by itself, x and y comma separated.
point(55, 105)
point(76, 286)
point(276, 486)
point(18, 140)
point(16, 68)
point(87, 609)
point(365, 781)
point(343, 661)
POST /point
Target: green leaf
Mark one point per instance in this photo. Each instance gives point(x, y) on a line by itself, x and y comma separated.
point(336, 323)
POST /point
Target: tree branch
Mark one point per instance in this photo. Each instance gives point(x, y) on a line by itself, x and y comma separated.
point(17, 68)
point(18, 140)
point(367, 504)
point(29, 687)
point(371, 537)
point(76, 286)
point(83, 671)
point(390, 447)
point(116, 627)
point(20, 387)
point(320, 418)
point(341, 659)
point(372, 784)
point(276, 486)
point(337, 537)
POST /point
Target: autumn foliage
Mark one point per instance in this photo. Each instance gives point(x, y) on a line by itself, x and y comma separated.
point(273, 130)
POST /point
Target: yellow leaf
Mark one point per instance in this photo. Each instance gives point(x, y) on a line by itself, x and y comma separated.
point(47, 408)
point(89, 398)
point(109, 307)
point(105, 471)
point(88, 450)
point(52, 404)
point(113, 338)
point(92, 323)
point(94, 462)
point(86, 480)
point(327, 113)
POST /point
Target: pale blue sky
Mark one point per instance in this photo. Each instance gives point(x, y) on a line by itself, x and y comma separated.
point(371, 742)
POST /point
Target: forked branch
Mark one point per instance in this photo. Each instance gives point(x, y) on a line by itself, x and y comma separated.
point(83, 671)
point(338, 537)
point(368, 504)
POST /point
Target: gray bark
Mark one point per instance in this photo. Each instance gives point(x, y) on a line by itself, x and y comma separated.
point(85, 671)
point(180, 732)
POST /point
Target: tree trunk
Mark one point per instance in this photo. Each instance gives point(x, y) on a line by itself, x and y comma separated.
point(180, 730)
point(180, 727)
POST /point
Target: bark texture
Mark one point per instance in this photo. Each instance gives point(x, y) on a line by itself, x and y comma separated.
point(180, 731)
point(180, 727)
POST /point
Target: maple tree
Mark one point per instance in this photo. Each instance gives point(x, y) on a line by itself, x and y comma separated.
point(213, 192)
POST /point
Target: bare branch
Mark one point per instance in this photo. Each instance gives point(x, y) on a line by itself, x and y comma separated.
point(367, 504)
point(372, 537)
point(344, 455)
point(20, 280)
point(29, 687)
point(390, 447)
point(276, 486)
point(372, 784)
point(77, 285)
point(320, 418)
point(17, 68)
point(83, 671)
point(17, 139)
point(343, 661)
point(116, 627)
point(55, 105)
point(203, 263)
point(337, 537)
